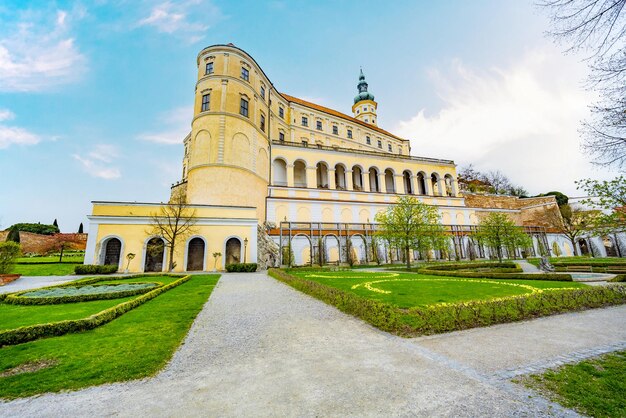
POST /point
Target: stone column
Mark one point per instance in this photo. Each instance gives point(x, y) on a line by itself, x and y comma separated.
point(429, 185)
point(311, 177)
point(400, 184)
point(366, 181)
point(331, 179)
point(349, 185)
point(290, 176)
point(413, 183)
point(382, 184)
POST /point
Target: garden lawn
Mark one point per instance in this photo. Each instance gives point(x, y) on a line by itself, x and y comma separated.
point(582, 260)
point(14, 316)
point(408, 290)
point(69, 258)
point(595, 387)
point(39, 269)
point(135, 345)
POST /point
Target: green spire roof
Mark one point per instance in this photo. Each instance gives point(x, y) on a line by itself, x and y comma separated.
point(363, 93)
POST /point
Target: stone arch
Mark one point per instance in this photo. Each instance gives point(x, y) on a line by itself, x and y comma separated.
point(154, 254)
point(201, 151)
point(111, 251)
point(373, 179)
point(584, 247)
point(195, 255)
point(303, 214)
point(407, 178)
point(299, 173)
point(340, 177)
point(390, 181)
point(450, 185)
point(357, 178)
point(233, 251)
point(460, 219)
point(279, 172)
point(446, 219)
point(359, 248)
point(346, 215)
point(364, 216)
point(307, 252)
point(333, 253)
point(262, 164)
point(237, 151)
point(281, 213)
point(609, 246)
point(436, 184)
point(328, 215)
point(321, 174)
point(421, 183)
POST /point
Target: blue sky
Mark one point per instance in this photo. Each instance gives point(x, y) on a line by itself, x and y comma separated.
point(95, 97)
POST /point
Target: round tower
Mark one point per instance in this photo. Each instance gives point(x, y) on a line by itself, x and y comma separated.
point(227, 152)
point(364, 108)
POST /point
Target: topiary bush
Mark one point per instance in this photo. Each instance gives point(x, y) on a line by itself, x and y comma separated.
point(241, 267)
point(95, 269)
point(9, 251)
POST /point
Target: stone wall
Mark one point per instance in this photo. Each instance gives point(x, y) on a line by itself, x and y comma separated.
point(530, 211)
point(41, 244)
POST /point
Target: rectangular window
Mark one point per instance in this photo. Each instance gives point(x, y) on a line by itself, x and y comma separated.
point(350, 133)
point(305, 121)
point(319, 125)
point(263, 124)
point(281, 137)
point(243, 107)
point(206, 98)
point(281, 113)
point(335, 130)
point(245, 74)
point(380, 144)
point(305, 143)
point(368, 140)
point(389, 147)
point(209, 68)
point(263, 92)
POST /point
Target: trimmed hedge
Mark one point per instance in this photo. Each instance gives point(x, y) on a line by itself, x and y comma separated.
point(456, 316)
point(241, 267)
point(619, 278)
point(470, 266)
point(95, 269)
point(18, 299)
point(33, 332)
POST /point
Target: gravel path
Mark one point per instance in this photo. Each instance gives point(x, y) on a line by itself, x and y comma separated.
point(33, 282)
point(260, 348)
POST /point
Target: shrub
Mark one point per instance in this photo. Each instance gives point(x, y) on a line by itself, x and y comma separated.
point(241, 267)
point(619, 278)
point(36, 228)
point(14, 235)
point(456, 316)
point(34, 332)
point(95, 269)
point(9, 251)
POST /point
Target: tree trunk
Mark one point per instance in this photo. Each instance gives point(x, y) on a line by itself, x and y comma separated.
point(171, 263)
point(574, 246)
point(61, 254)
point(408, 259)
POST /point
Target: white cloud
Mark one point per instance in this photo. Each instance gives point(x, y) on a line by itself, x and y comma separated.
point(187, 17)
point(13, 135)
point(97, 162)
point(37, 53)
point(176, 126)
point(523, 120)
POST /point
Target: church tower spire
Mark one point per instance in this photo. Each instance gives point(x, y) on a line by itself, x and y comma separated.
point(364, 107)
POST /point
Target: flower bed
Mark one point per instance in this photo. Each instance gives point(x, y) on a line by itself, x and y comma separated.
point(69, 294)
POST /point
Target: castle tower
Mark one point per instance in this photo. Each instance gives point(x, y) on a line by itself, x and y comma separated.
point(364, 108)
point(226, 158)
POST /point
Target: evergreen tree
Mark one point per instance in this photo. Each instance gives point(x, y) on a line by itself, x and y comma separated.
point(80, 228)
point(14, 235)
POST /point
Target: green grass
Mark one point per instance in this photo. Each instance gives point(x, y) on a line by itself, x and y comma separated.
point(136, 345)
point(70, 258)
point(595, 387)
point(34, 269)
point(407, 290)
point(581, 260)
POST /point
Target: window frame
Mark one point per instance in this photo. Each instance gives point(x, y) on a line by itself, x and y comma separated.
point(368, 140)
point(304, 121)
point(262, 122)
point(335, 130)
point(318, 125)
point(281, 112)
point(245, 73)
point(206, 102)
point(349, 134)
point(245, 108)
point(281, 136)
point(208, 69)
point(380, 144)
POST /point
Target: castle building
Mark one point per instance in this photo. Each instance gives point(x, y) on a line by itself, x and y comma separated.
point(257, 156)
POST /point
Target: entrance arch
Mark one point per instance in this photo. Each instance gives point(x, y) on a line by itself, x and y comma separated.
point(233, 251)
point(155, 254)
point(112, 252)
point(196, 254)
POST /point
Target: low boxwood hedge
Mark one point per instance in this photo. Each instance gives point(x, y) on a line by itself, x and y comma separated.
point(619, 278)
point(19, 299)
point(241, 267)
point(34, 332)
point(456, 316)
point(95, 269)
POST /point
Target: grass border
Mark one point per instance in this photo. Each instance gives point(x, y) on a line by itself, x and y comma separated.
point(34, 332)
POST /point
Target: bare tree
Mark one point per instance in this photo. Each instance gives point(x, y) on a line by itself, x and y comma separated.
point(599, 28)
point(571, 222)
point(499, 182)
point(174, 222)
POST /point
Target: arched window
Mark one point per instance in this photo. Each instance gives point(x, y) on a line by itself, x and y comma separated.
point(195, 254)
point(233, 251)
point(299, 174)
point(321, 171)
point(357, 178)
point(112, 252)
point(279, 172)
point(155, 254)
point(373, 178)
point(390, 184)
point(436, 186)
point(421, 183)
point(449, 185)
point(340, 177)
point(408, 183)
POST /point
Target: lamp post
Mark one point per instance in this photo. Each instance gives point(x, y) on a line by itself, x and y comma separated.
point(245, 248)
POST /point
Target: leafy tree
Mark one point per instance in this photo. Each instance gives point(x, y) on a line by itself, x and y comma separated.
point(9, 251)
point(80, 228)
point(607, 194)
point(498, 231)
point(599, 28)
point(571, 222)
point(174, 221)
point(611, 224)
point(561, 199)
point(14, 235)
point(410, 224)
point(37, 228)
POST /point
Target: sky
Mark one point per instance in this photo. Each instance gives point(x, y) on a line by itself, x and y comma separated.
point(96, 97)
